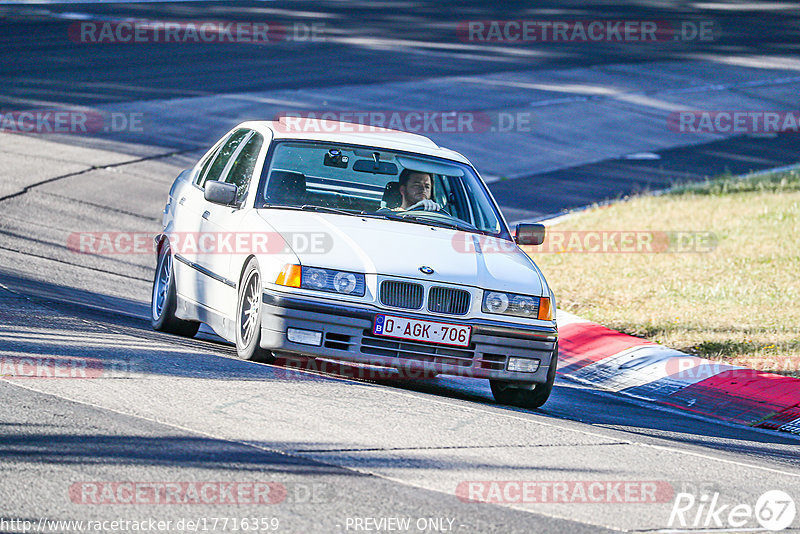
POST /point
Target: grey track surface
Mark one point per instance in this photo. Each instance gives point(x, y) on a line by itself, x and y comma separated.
point(366, 43)
point(589, 104)
point(165, 409)
point(169, 409)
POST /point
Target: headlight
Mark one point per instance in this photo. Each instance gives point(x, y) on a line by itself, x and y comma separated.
point(314, 278)
point(345, 282)
point(495, 302)
point(525, 305)
point(333, 281)
point(517, 305)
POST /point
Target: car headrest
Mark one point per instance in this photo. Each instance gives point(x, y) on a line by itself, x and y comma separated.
point(391, 195)
point(286, 187)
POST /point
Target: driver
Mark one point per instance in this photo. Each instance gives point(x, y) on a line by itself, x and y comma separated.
point(416, 189)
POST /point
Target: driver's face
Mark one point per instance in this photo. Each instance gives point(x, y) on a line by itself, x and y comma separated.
point(417, 188)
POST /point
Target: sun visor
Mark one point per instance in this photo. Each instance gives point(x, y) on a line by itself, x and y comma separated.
point(433, 167)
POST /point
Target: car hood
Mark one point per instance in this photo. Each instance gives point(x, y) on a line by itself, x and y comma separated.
point(396, 248)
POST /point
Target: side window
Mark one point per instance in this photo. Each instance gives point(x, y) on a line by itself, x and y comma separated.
point(242, 169)
point(224, 154)
point(438, 192)
point(481, 209)
point(452, 203)
point(205, 166)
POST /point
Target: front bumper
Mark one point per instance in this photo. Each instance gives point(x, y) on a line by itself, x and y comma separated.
point(347, 336)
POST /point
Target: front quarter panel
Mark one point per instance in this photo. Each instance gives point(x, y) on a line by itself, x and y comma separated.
point(264, 243)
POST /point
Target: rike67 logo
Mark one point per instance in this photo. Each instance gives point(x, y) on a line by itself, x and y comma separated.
point(774, 510)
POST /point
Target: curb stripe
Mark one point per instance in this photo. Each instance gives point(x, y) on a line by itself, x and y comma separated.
point(788, 420)
point(741, 395)
point(611, 360)
point(581, 344)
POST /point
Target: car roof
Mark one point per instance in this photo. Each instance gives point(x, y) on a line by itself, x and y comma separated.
point(356, 134)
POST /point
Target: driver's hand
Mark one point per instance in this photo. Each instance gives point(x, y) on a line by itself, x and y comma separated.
point(426, 204)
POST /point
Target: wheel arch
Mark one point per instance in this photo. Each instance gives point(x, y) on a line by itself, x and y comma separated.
point(245, 263)
point(160, 239)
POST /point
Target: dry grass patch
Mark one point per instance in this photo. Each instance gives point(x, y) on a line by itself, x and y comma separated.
point(739, 302)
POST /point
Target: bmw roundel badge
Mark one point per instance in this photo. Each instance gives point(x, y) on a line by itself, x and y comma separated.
point(425, 270)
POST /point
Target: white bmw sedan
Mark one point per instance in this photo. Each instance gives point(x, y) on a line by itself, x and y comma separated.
point(376, 247)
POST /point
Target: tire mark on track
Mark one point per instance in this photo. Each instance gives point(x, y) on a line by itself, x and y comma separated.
point(33, 186)
point(60, 246)
point(102, 207)
point(28, 188)
point(63, 262)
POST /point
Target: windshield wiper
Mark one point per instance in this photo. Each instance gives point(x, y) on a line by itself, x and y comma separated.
point(326, 209)
point(460, 225)
point(416, 219)
point(311, 207)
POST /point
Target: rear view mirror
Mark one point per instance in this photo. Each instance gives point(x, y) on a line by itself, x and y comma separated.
point(375, 167)
point(530, 234)
point(220, 193)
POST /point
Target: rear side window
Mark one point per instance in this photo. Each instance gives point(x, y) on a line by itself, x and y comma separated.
point(223, 156)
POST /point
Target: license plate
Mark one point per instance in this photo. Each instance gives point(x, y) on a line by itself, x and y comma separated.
point(417, 330)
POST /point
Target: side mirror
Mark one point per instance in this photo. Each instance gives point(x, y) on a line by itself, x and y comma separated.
point(530, 234)
point(220, 193)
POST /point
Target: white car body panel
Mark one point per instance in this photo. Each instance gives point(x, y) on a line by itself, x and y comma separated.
point(378, 246)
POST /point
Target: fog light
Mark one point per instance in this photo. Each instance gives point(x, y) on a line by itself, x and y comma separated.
point(305, 337)
point(523, 365)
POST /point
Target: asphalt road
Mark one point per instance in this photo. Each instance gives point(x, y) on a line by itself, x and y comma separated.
point(341, 454)
point(567, 114)
point(161, 409)
point(360, 42)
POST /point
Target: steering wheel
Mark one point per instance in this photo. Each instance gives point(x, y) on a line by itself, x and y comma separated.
point(416, 208)
point(442, 213)
point(443, 208)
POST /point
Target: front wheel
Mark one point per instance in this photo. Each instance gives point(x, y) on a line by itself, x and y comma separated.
point(248, 316)
point(505, 393)
point(165, 300)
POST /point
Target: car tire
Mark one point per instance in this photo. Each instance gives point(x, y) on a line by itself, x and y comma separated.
point(248, 316)
point(504, 392)
point(164, 299)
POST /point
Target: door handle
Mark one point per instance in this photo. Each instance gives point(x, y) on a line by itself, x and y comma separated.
point(206, 214)
point(181, 201)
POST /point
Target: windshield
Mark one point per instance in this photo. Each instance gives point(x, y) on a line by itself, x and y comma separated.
point(377, 182)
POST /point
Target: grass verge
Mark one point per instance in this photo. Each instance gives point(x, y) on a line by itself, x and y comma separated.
point(712, 269)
